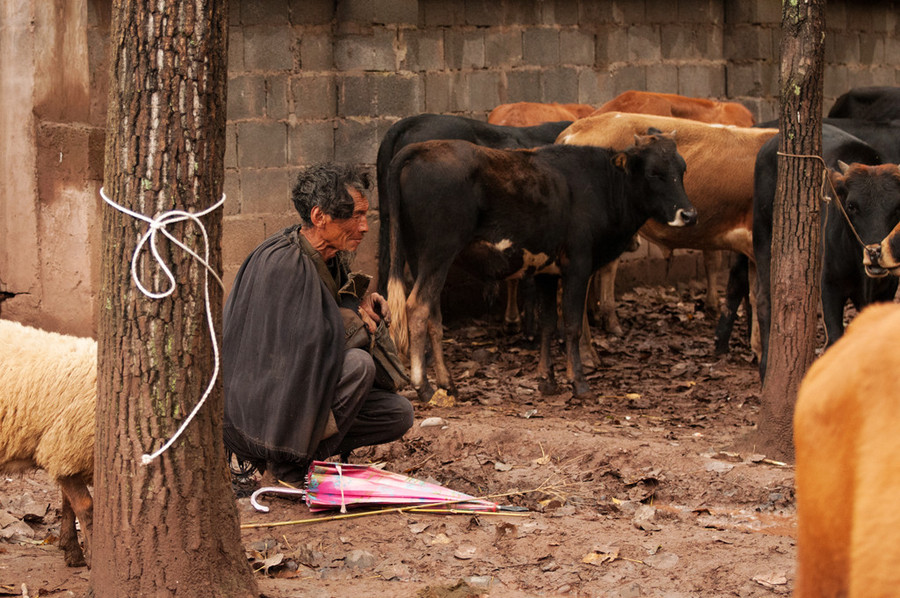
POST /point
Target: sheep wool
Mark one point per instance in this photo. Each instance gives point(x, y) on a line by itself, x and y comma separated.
point(48, 390)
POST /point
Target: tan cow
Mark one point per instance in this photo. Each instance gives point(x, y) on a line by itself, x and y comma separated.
point(846, 424)
point(719, 181)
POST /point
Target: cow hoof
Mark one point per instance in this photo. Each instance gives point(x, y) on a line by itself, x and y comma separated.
point(74, 557)
point(582, 391)
point(440, 398)
point(548, 387)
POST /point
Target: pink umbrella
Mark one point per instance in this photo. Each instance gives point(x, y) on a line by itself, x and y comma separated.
point(339, 485)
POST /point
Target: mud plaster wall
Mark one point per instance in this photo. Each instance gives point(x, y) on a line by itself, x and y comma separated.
point(313, 80)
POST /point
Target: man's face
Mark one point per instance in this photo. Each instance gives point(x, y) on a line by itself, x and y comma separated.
point(345, 234)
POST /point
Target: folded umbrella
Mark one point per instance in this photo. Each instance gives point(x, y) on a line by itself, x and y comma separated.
point(339, 485)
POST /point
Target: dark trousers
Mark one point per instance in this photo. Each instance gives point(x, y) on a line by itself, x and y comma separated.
point(364, 415)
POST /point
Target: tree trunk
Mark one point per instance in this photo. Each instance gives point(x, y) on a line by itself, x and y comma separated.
point(171, 526)
point(796, 255)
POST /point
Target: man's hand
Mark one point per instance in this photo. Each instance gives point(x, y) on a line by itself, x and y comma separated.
point(373, 309)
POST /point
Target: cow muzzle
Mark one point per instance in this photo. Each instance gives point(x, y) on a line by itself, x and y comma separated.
point(684, 218)
point(871, 258)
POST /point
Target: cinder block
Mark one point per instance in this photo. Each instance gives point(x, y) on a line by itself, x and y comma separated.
point(459, 92)
point(559, 84)
point(871, 49)
point(424, 49)
point(261, 144)
point(751, 80)
point(268, 48)
point(629, 77)
point(265, 12)
point(631, 11)
point(836, 82)
point(232, 190)
point(311, 142)
point(316, 52)
point(374, 52)
point(576, 47)
point(523, 86)
point(523, 14)
point(750, 43)
point(314, 96)
point(235, 49)
point(379, 11)
point(503, 48)
point(612, 45)
point(356, 96)
point(230, 145)
point(484, 90)
point(440, 13)
point(892, 51)
point(464, 49)
point(483, 13)
point(662, 78)
point(644, 43)
point(660, 12)
point(356, 141)
point(277, 96)
point(701, 11)
point(246, 97)
point(437, 92)
point(557, 12)
point(594, 87)
point(842, 48)
point(265, 190)
point(311, 12)
point(677, 42)
point(868, 17)
point(756, 13)
point(240, 236)
point(397, 94)
point(702, 80)
point(540, 47)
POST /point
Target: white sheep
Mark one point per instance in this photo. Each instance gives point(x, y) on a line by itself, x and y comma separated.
point(48, 390)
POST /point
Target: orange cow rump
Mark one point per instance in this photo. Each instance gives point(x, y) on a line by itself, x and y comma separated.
point(527, 114)
point(670, 104)
point(847, 440)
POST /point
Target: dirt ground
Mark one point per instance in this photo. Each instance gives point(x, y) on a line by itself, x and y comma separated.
point(635, 493)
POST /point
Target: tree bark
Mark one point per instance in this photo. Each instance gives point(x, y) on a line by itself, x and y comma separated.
point(169, 527)
point(796, 254)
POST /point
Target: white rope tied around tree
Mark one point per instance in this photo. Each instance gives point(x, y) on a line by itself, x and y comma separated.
point(156, 225)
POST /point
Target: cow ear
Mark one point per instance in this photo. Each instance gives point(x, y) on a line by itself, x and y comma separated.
point(620, 161)
point(836, 183)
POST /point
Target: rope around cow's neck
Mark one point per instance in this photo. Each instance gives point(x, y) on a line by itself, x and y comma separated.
point(158, 224)
point(837, 198)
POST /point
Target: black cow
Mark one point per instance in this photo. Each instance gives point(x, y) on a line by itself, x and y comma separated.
point(558, 210)
point(425, 127)
point(882, 135)
point(872, 206)
point(870, 103)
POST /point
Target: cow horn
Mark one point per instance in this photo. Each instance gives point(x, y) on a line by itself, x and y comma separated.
point(843, 166)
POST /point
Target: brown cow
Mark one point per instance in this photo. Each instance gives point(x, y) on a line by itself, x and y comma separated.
point(719, 182)
point(670, 104)
point(848, 463)
point(528, 114)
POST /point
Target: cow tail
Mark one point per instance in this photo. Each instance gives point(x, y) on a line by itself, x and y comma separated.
point(396, 290)
point(382, 165)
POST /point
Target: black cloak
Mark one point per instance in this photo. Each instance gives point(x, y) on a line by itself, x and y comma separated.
point(282, 354)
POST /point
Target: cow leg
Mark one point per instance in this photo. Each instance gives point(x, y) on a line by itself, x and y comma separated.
point(737, 289)
point(436, 336)
point(574, 291)
point(545, 287)
point(712, 262)
point(511, 319)
point(605, 308)
point(755, 336)
point(832, 314)
point(76, 502)
point(417, 312)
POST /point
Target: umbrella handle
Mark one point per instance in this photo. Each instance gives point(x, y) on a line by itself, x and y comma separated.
point(273, 490)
